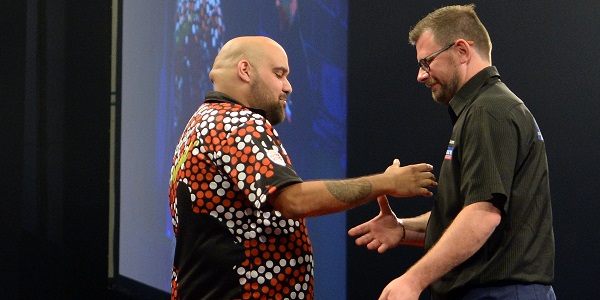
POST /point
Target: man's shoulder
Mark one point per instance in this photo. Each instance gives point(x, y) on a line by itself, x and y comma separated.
point(498, 97)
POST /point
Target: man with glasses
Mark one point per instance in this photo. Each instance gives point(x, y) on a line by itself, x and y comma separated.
point(489, 233)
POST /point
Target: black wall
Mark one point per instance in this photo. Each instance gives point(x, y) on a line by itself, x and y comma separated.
point(55, 116)
point(55, 112)
point(547, 53)
point(12, 89)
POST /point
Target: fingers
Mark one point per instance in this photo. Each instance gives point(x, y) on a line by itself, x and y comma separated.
point(423, 167)
point(426, 193)
point(363, 240)
point(374, 244)
point(358, 230)
point(431, 182)
point(366, 239)
point(427, 180)
point(382, 248)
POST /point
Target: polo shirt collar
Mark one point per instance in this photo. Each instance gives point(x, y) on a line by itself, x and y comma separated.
point(214, 96)
point(469, 91)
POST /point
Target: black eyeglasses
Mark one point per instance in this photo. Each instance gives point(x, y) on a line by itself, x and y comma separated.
point(424, 62)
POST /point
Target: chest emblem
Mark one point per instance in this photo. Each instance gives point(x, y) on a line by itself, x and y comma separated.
point(275, 157)
point(448, 155)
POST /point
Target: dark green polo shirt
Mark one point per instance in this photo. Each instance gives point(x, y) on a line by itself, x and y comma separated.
point(497, 154)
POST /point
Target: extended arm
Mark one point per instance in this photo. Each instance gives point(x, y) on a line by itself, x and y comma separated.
point(313, 198)
point(385, 231)
point(468, 232)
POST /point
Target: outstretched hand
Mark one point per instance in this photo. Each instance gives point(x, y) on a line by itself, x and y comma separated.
point(382, 232)
point(411, 180)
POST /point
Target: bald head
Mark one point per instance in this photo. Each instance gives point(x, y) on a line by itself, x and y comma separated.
point(254, 50)
point(254, 70)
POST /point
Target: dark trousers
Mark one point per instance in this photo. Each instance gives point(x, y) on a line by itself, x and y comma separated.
point(507, 292)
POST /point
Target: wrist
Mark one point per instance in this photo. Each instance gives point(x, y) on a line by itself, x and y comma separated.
point(401, 223)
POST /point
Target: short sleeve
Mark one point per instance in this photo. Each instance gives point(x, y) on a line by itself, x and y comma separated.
point(255, 161)
point(488, 157)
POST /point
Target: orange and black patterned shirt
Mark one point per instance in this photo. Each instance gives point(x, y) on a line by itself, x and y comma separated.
point(230, 242)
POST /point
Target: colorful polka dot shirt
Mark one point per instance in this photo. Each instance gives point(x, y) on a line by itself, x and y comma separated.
point(230, 242)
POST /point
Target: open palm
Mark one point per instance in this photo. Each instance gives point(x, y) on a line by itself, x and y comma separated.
point(382, 232)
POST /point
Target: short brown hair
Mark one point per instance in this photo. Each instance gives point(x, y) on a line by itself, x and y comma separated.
point(447, 24)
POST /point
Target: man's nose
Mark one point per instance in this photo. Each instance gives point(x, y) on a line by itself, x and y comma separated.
point(287, 86)
point(422, 75)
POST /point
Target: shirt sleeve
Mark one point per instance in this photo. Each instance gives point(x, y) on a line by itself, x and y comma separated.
point(256, 162)
point(488, 157)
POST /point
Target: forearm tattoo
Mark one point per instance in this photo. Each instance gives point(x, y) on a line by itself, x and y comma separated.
point(349, 191)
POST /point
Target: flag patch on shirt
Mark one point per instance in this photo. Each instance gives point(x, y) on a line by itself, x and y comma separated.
point(539, 132)
point(448, 155)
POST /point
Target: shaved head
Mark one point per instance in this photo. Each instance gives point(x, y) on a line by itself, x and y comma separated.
point(250, 48)
point(253, 70)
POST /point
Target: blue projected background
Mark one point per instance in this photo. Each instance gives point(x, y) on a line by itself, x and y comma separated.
point(167, 50)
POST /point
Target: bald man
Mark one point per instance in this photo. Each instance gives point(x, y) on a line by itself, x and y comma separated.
point(237, 205)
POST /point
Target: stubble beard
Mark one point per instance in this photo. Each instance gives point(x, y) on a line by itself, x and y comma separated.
point(447, 90)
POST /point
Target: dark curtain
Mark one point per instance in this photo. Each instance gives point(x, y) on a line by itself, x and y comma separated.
point(55, 128)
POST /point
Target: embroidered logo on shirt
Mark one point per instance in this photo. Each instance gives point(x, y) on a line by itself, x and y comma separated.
point(448, 155)
point(275, 157)
point(539, 132)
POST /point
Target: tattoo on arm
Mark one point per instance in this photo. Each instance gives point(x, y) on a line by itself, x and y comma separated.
point(349, 191)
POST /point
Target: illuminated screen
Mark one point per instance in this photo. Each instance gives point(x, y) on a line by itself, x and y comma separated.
point(166, 50)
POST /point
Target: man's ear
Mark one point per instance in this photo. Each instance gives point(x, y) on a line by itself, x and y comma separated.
point(464, 50)
point(243, 70)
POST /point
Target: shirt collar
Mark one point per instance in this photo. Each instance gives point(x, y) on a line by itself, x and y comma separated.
point(214, 96)
point(469, 91)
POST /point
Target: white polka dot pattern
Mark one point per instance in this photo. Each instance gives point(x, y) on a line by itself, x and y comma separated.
point(231, 159)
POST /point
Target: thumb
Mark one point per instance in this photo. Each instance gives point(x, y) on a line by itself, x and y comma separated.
point(396, 162)
point(384, 205)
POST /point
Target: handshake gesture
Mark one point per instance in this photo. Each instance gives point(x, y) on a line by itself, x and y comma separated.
point(411, 180)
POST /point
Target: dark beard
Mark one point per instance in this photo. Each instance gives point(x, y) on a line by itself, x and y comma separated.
point(274, 113)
